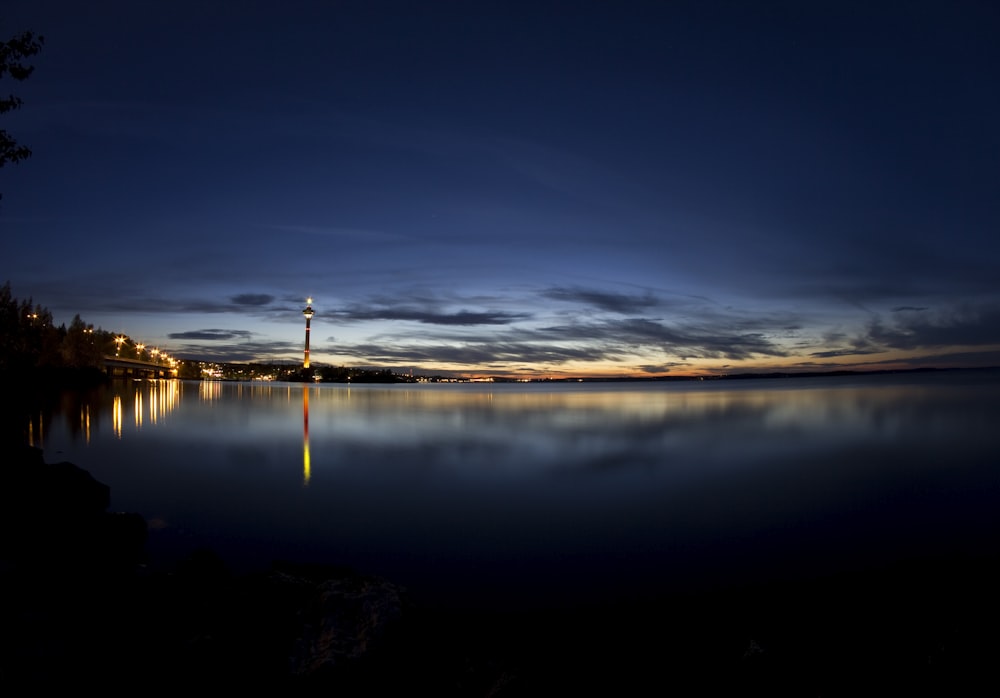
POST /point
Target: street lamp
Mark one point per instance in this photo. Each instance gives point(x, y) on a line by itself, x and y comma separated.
point(119, 340)
point(138, 349)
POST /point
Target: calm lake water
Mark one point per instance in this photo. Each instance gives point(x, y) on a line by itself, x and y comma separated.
point(497, 494)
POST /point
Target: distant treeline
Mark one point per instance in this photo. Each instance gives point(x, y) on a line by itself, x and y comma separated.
point(737, 376)
point(341, 374)
point(295, 373)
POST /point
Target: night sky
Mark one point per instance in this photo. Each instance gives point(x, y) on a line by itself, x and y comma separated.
point(605, 188)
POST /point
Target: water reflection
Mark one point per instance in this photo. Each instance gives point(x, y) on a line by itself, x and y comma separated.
point(210, 390)
point(35, 434)
point(85, 421)
point(306, 465)
point(82, 415)
point(116, 415)
point(555, 489)
point(164, 398)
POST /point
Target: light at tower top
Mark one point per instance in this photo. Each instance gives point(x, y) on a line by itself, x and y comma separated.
point(308, 312)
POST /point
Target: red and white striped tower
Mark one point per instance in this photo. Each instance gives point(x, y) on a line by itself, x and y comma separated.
point(308, 312)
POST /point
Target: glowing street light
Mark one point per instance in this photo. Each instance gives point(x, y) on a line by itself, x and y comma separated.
point(139, 348)
point(119, 340)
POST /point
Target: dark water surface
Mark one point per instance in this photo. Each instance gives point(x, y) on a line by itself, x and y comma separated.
point(497, 494)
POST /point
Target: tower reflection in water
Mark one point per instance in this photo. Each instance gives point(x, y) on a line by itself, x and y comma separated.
point(306, 467)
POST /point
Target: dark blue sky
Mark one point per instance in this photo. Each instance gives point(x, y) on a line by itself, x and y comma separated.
point(476, 187)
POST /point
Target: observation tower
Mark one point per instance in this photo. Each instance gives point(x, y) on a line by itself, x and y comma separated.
point(308, 312)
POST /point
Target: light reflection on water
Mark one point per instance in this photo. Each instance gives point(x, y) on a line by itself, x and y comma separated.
point(564, 490)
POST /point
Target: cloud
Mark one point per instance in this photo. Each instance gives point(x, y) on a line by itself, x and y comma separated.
point(254, 299)
point(498, 355)
point(602, 300)
point(431, 317)
point(213, 335)
point(913, 328)
point(241, 352)
point(841, 344)
point(687, 340)
point(835, 353)
point(971, 359)
point(255, 304)
point(659, 368)
point(923, 329)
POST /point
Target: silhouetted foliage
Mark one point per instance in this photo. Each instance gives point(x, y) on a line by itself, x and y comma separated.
point(188, 370)
point(27, 338)
point(82, 345)
point(340, 374)
point(30, 342)
point(13, 52)
point(302, 375)
point(335, 374)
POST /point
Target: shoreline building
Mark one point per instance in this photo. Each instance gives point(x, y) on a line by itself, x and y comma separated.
point(308, 312)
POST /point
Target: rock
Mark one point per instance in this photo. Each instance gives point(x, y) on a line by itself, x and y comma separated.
point(32, 486)
point(345, 621)
point(58, 512)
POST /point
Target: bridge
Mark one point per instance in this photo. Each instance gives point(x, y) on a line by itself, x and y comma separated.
point(119, 367)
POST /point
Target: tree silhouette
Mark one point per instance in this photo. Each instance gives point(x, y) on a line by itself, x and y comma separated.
point(28, 338)
point(13, 52)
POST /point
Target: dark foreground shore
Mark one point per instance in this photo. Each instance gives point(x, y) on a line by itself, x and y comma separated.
point(81, 607)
